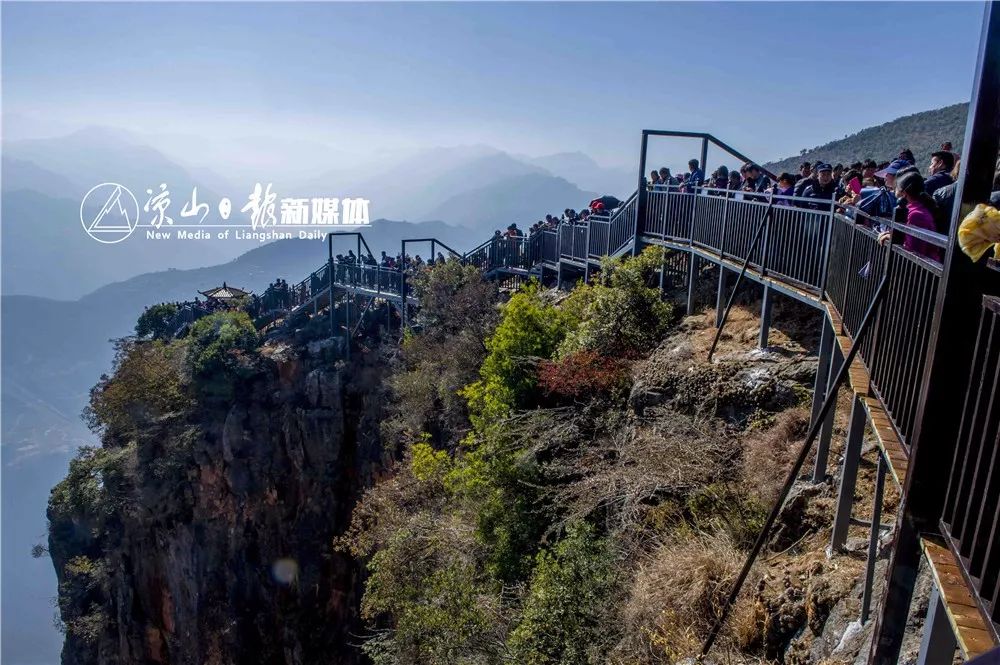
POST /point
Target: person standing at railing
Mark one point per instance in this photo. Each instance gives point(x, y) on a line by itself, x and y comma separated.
point(696, 176)
point(824, 191)
point(785, 187)
point(920, 213)
point(720, 178)
point(805, 171)
point(666, 179)
point(755, 181)
point(735, 184)
point(807, 176)
point(654, 180)
point(939, 171)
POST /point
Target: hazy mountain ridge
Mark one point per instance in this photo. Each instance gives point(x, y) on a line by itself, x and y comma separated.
point(522, 199)
point(923, 133)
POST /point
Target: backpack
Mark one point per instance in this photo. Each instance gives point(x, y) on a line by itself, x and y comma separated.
point(610, 202)
point(879, 203)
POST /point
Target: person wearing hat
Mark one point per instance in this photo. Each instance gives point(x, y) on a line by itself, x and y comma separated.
point(888, 174)
point(920, 213)
point(785, 187)
point(942, 162)
point(824, 190)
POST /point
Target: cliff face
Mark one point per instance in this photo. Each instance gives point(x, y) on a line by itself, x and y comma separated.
point(211, 541)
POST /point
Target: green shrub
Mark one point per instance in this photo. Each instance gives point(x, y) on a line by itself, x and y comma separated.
point(565, 618)
point(217, 346)
point(95, 486)
point(146, 383)
point(459, 311)
point(623, 314)
point(157, 322)
point(530, 329)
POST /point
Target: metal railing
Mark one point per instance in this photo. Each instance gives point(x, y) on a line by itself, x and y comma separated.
point(971, 517)
point(378, 279)
point(827, 252)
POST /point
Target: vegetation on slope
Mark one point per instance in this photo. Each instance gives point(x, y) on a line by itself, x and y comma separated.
point(923, 133)
point(567, 510)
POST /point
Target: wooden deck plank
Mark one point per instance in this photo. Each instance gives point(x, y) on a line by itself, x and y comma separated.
point(968, 623)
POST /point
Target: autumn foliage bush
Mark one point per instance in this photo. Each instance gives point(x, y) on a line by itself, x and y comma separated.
point(582, 375)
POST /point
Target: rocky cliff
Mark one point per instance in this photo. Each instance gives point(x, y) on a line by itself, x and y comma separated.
point(202, 533)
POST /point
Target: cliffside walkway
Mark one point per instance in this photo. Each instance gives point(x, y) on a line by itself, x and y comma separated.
point(921, 332)
point(830, 260)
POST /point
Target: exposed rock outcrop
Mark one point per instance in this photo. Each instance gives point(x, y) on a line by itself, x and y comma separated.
point(221, 549)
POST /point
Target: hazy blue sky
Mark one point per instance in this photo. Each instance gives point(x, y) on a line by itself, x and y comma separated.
point(769, 77)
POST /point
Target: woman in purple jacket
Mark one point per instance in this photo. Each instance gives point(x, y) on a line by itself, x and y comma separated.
point(920, 211)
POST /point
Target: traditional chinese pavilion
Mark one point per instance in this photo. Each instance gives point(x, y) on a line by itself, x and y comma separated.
point(225, 294)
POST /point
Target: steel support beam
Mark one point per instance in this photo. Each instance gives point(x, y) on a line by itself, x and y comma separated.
point(765, 317)
point(640, 195)
point(849, 475)
point(826, 434)
point(720, 295)
point(873, 537)
point(692, 275)
point(938, 643)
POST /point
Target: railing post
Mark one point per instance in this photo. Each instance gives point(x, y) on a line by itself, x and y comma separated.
point(694, 213)
point(725, 219)
point(825, 261)
point(848, 475)
point(765, 252)
point(329, 279)
point(402, 286)
point(586, 254)
point(640, 195)
point(848, 272)
point(725, 227)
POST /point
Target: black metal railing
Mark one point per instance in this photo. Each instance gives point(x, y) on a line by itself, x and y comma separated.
point(378, 279)
point(971, 517)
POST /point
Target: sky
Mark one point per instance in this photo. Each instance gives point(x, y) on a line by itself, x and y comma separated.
point(350, 81)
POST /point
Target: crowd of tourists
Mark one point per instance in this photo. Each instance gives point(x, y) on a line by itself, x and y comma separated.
point(873, 188)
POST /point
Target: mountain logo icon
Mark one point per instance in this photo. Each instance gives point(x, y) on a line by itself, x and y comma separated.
point(109, 213)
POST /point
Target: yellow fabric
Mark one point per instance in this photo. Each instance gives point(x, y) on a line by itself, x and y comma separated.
point(979, 230)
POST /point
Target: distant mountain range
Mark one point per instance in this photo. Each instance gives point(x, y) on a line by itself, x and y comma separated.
point(923, 133)
point(46, 252)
